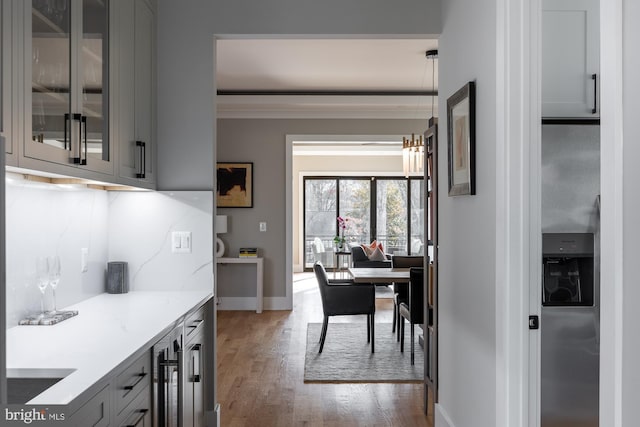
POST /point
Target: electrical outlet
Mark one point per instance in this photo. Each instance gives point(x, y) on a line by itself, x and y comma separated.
point(84, 260)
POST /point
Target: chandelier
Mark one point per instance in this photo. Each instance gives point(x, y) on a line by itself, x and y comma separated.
point(413, 149)
point(412, 155)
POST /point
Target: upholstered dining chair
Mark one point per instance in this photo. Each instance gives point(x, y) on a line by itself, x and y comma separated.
point(344, 297)
point(413, 310)
point(401, 290)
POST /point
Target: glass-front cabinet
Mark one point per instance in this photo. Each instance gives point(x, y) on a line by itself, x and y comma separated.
point(6, 73)
point(68, 61)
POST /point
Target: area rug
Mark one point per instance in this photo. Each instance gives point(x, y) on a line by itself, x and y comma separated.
point(347, 358)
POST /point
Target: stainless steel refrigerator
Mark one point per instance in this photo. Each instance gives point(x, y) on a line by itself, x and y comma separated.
point(570, 321)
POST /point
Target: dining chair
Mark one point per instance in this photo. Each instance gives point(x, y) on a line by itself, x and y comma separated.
point(413, 309)
point(401, 290)
point(344, 297)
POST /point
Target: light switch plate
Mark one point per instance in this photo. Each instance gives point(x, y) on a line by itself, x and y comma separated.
point(263, 226)
point(181, 242)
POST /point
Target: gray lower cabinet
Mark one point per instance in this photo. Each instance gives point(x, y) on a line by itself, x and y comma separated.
point(125, 397)
point(96, 412)
point(132, 392)
point(194, 362)
point(138, 412)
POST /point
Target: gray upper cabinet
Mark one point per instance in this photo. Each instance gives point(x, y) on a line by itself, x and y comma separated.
point(8, 131)
point(570, 59)
point(67, 78)
point(78, 88)
point(136, 94)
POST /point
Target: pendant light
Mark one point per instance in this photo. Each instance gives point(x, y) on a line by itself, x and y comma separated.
point(413, 149)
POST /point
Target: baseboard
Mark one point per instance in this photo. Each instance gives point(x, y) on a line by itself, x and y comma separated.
point(249, 303)
point(442, 418)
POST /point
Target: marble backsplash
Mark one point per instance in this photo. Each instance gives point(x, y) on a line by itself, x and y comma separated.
point(45, 220)
point(136, 227)
point(140, 233)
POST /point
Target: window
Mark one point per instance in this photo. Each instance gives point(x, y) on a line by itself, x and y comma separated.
point(388, 209)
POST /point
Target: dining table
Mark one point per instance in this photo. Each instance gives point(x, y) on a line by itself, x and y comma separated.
point(379, 275)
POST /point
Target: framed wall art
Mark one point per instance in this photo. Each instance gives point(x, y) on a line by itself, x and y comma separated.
point(461, 135)
point(234, 188)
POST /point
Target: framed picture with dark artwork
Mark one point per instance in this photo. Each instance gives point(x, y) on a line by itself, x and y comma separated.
point(461, 135)
point(234, 188)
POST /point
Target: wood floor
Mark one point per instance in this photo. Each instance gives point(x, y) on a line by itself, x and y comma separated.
point(261, 367)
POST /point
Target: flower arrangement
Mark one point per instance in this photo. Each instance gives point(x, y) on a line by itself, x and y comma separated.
point(340, 240)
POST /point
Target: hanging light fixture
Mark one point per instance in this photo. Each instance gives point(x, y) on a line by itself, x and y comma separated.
point(412, 155)
point(413, 149)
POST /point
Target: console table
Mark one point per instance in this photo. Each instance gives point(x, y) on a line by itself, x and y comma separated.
point(339, 268)
point(259, 274)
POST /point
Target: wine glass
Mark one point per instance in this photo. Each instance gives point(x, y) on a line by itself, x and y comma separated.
point(54, 277)
point(42, 278)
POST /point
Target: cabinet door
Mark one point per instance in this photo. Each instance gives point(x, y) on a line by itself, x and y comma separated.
point(570, 58)
point(145, 82)
point(96, 412)
point(94, 82)
point(7, 84)
point(136, 83)
point(193, 412)
point(48, 80)
point(66, 105)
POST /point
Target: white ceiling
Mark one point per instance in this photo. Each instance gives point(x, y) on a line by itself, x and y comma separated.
point(320, 65)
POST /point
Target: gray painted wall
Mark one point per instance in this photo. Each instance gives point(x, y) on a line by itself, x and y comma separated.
point(631, 207)
point(467, 224)
point(186, 30)
point(263, 142)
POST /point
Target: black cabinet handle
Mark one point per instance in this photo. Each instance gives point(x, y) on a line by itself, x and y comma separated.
point(594, 110)
point(83, 125)
point(143, 159)
point(196, 376)
point(66, 130)
point(142, 412)
point(78, 160)
point(140, 376)
point(194, 326)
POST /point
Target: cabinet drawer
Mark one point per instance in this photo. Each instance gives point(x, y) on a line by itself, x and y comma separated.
point(94, 413)
point(131, 381)
point(138, 413)
point(194, 323)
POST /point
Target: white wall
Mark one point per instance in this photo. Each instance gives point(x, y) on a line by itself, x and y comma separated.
point(467, 231)
point(631, 225)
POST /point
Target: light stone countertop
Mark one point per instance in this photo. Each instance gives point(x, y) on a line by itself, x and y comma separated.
point(107, 330)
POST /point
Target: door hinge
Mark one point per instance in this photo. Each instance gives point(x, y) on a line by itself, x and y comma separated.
point(534, 322)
